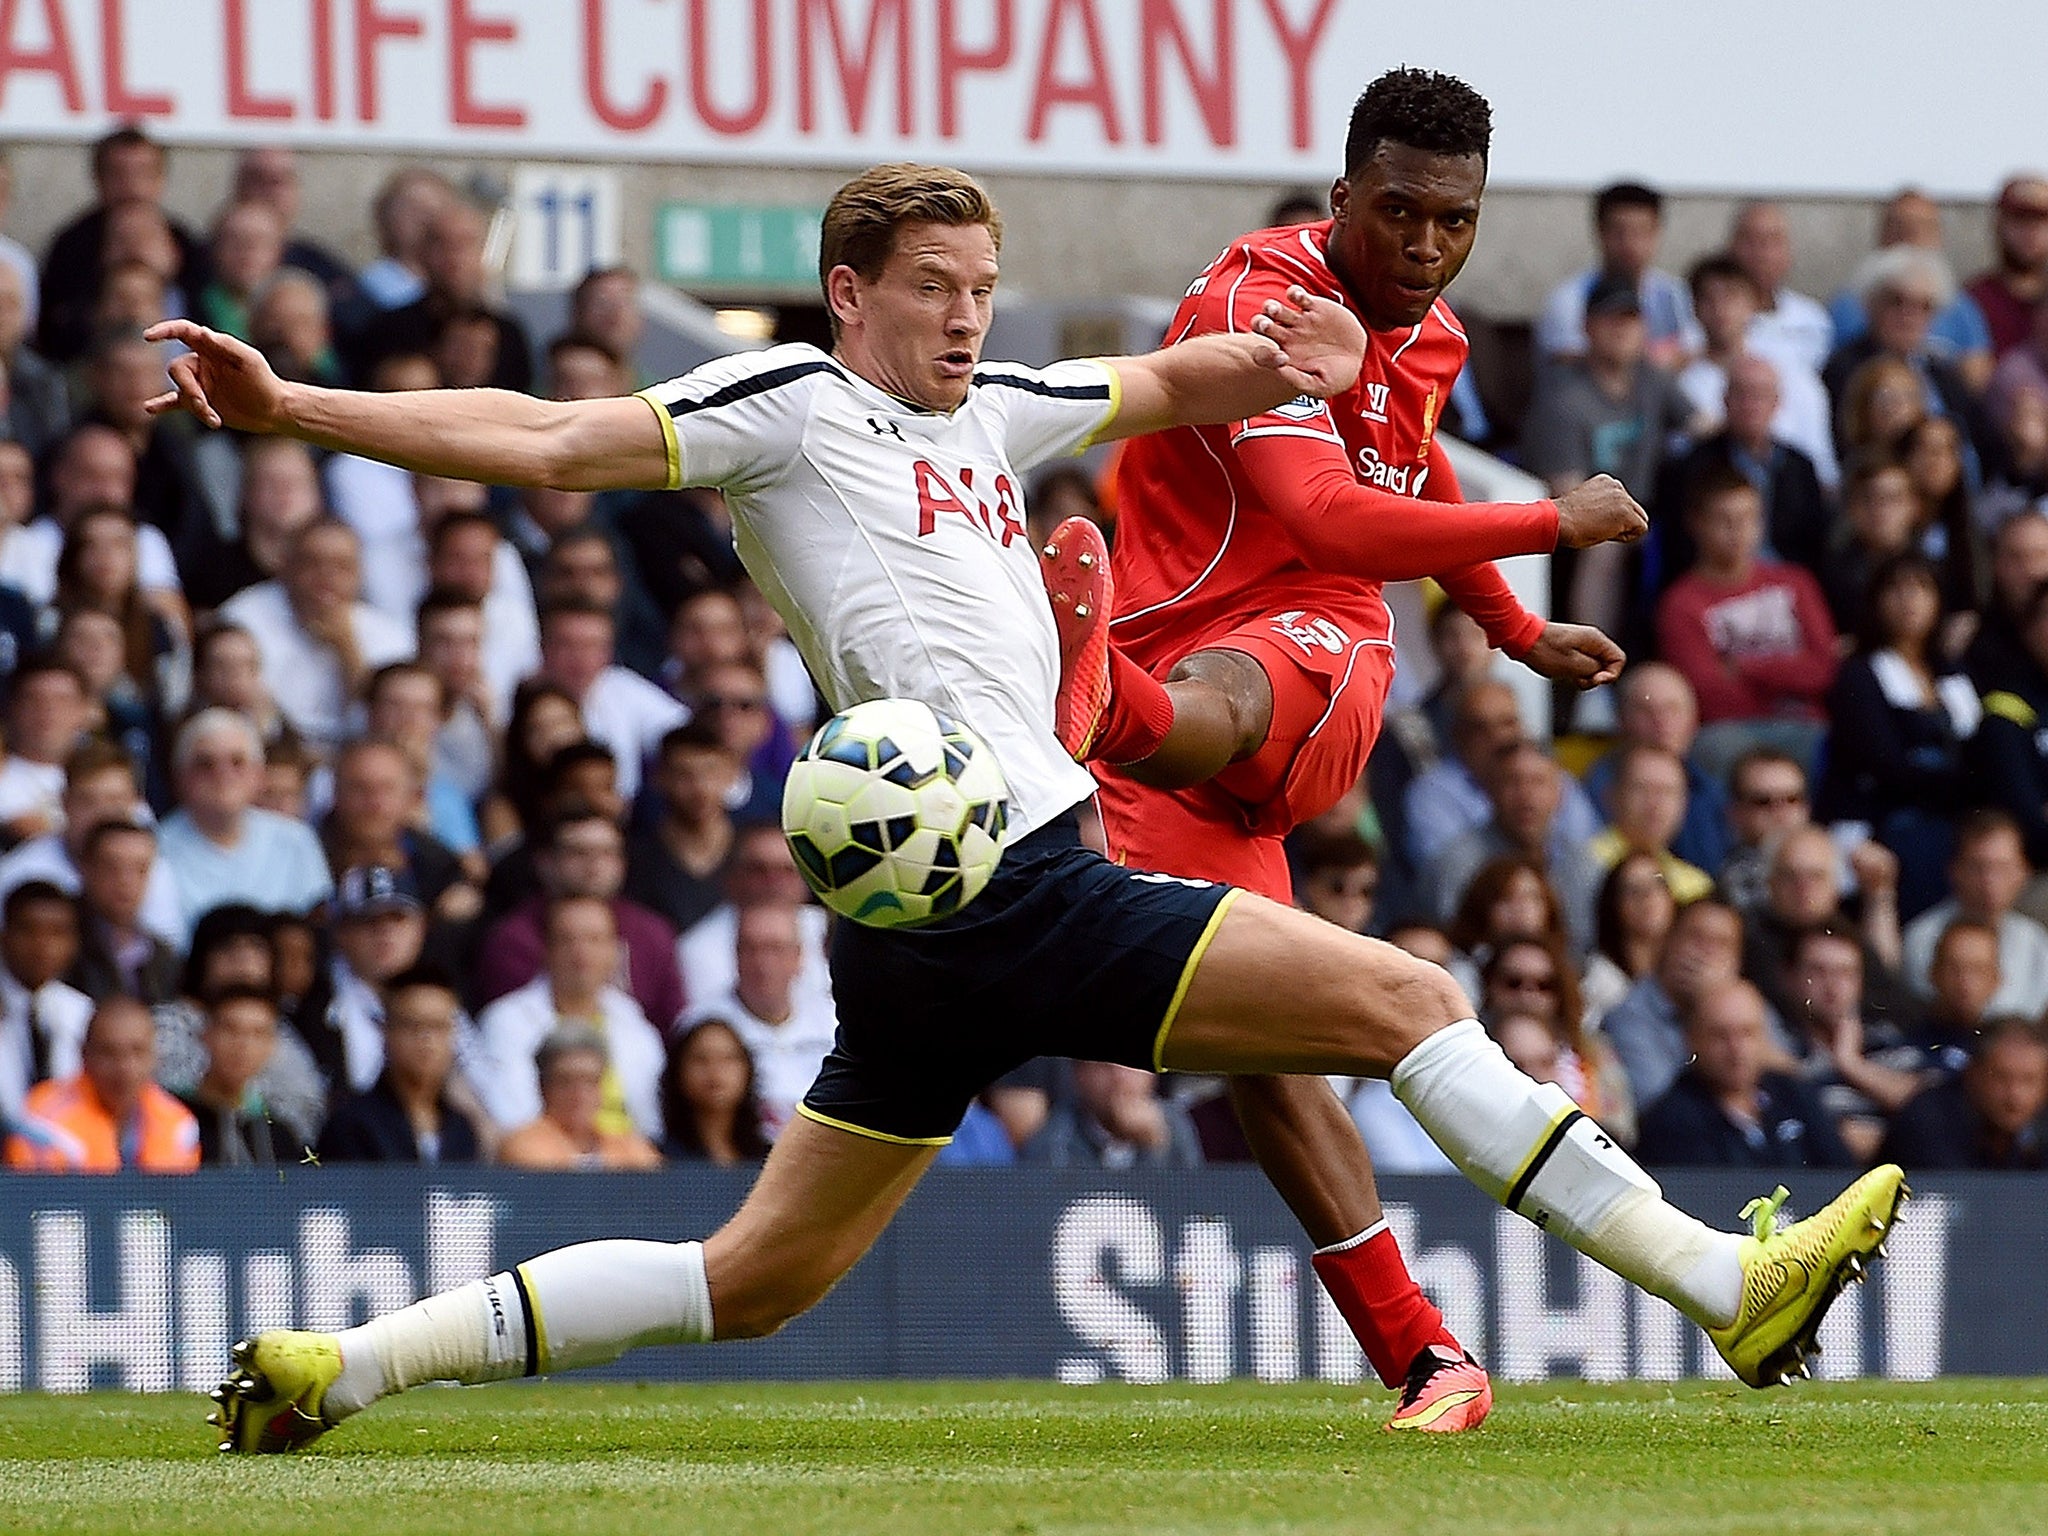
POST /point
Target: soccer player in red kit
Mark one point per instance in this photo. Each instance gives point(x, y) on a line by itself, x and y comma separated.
point(1238, 687)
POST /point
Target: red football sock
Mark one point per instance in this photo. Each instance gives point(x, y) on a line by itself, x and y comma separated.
point(1393, 1321)
point(1140, 713)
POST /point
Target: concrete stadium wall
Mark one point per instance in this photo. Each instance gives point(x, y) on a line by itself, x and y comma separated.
point(1071, 237)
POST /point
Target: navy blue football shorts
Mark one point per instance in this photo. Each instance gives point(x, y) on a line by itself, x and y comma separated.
point(1062, 954)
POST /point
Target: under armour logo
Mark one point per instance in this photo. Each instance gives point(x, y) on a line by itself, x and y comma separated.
point(881, 426)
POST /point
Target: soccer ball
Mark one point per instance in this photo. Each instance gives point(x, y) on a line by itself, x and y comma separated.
point(895, 813)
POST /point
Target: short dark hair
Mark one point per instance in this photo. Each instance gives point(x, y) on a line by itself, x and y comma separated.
point(240, 992)
point(1865, 468)
point(43, 665)
point(573, 756)
point(455, 522)
point(1756, 757)
point(441, 600)
point(392, 670)
point(1996, 1031)
point(583, 341)
point(33, 893)
point(123, 137)
point(1720, 268)
point(565, 607)
point(114, 826)
point(1712, 483)
point(575, 813)
point(423, 973)
point(697, 734)
point(1963, 927)
point(581, 291)
point(1316, 850)
point(1626, 194)
point(97, 755)
point(216, 929)
point(1422, 110)
point(1830, 932)
point(1987, 822)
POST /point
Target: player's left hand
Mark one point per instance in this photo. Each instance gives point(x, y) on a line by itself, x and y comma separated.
point(1321, 344)
point(1575, 653)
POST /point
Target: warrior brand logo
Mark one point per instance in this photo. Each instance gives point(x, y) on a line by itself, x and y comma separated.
point(1401, 479)
point(1376, 402)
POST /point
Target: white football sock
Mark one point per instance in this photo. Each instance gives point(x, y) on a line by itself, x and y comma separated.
point(1526, 1144)
point(570, 1308)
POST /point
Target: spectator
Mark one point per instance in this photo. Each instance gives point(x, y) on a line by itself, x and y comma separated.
point(269, 174)
point(709, 629)
point(571, 1066)
point(1880, 513)
point(1510, 897)
point(245, 252)
point(709, 1102)
point(378, 930)
point(36, 408)
point(451, 260)
point(544, 721)
point(1787, 405)
point(1628, 224)
point(1988, 1115)
point(1943, 522)
point(319, 642)
point(733, 699)
point(2008, 292)
point(1790, 324)
point(227, 673)
point(1060, 492)
point(98, 570)
point(236, 1129)
point(576, 987)
point(1336, 877)
point(678, 870)
point(46, 716)
point(42, 1018)
point(1728, 1109)
point(450, 630)
point(1611, 412)
point(621, 709)
point(1959, 334)
point(1751, 635)
point(465, 554)
point(585, 856)
point(1859, 1069)
point(111, 1117)
point(2018, 568)
point(1901, 720)
point(408, 1114)
point(1526, 791)
point(407, 204)
point(1963, 979)
point(280, 497)
point(373, 823)
point(1986, 875)
point(2009, 754)
point(18, 562)
point(118, 956)
point(93, 467)
point(1874, 411)
point(1797, 517)
point(1767, 796)
point(291, 324)
point(1649, 807)
point(123, 374)
point(1115, 1119)
point(1803, 890)
point(236, 948)
point(128, 169)
point(1631, 921)
point(218, 845)
point(762, 871)
point(605, 306)
point(581, 367)
point(101, 783)
point(1655, 707)
point(1647, 1028)
point(406, 704)
point(1903, 290)
point(786, 1028)
point(1449, 799)
point(583, 565)
point(1531, 977)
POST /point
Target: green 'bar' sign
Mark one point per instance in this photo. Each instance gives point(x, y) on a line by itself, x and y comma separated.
point(730, 245)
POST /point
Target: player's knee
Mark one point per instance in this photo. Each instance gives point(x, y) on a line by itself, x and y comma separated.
point(1423, 998)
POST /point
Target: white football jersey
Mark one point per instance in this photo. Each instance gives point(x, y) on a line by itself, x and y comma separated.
point(891, 538)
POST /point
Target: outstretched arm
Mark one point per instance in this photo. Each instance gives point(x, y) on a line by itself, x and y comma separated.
point(491, 435)
point(1306, 346)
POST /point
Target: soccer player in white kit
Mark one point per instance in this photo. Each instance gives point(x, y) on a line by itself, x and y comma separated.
point(876, 496)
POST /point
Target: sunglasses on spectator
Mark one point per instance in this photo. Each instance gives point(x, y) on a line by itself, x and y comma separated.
point(741, 701)
point(1771, 802)
point(1527, 981)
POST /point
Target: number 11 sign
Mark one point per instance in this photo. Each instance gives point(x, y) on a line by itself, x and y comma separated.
point(565, 222)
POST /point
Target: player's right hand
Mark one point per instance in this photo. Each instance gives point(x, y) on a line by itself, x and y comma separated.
point(222, 381)
point(1598, 511)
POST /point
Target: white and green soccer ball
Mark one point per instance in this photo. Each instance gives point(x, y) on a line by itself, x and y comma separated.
point(895, 813)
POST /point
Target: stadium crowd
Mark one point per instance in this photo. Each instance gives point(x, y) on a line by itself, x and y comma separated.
point(354, 815)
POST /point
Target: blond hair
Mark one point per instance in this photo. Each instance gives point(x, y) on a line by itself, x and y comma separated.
point(859, 229)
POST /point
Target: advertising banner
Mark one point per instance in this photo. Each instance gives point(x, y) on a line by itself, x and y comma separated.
point(1048, 1274)
point(1831, 97)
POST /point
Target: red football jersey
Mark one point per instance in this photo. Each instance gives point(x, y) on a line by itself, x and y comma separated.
point(1199, 545)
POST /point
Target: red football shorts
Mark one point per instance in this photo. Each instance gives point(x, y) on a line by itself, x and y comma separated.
point(1329, 694)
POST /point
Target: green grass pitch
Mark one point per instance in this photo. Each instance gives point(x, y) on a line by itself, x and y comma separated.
point(1014, 1459)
